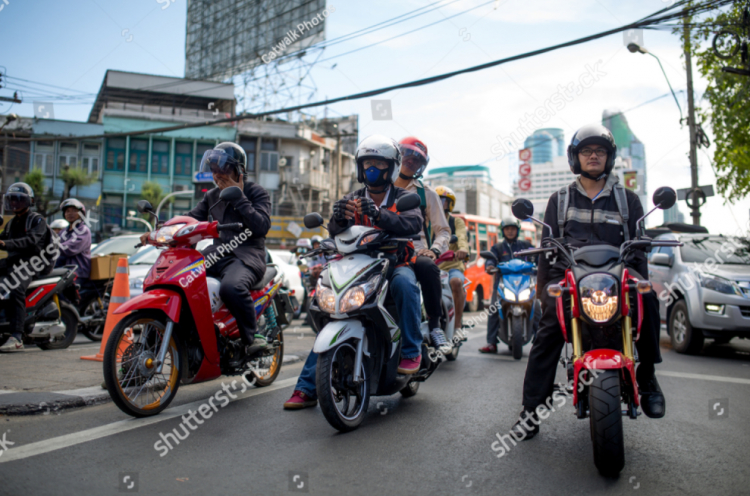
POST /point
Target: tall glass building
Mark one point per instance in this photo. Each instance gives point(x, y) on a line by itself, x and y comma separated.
point(545, 144)
point(629, 147)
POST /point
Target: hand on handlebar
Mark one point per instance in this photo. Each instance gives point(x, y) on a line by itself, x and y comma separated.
point(462, 255)
point(144, 239)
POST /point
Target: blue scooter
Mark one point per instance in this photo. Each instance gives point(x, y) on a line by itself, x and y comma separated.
point(518, 308)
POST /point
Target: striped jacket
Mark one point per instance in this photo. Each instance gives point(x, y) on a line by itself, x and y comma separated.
point(585, 223)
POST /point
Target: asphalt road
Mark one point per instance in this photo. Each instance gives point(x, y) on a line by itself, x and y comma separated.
point(438, 442)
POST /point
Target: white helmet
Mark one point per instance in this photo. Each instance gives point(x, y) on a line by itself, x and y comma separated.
point(59, 224)
point(382, 148)
point(304, 243)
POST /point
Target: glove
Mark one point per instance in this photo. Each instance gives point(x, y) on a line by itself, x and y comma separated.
point(339, 210)
point(370, 209)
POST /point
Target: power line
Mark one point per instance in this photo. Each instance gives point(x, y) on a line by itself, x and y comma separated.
point(648, 21)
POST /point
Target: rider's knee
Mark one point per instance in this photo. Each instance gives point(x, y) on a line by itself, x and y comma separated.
point(456, 284)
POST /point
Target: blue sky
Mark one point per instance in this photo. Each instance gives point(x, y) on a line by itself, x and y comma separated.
point(72, 44)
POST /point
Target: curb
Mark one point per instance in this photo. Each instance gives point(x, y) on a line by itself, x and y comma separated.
point(45, 403)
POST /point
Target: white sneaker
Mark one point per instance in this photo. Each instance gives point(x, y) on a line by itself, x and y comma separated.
point(11, 345)
point(437, 336)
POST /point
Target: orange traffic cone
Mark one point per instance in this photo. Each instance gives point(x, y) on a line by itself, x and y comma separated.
point(120, 294)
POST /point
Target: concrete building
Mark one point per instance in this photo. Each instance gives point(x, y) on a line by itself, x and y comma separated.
point(474, 191)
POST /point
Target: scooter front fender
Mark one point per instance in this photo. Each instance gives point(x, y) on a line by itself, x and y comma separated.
point(336, 332)
point(166, 300)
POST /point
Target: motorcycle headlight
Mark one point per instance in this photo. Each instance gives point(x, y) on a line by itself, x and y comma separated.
point(137, 283)
point(509, 295)
point(166, 233)
point(326, 298)
point(719, 284)
point(598, 294)
point(355, 297)
point(524, 295)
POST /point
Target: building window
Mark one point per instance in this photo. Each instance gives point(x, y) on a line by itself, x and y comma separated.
point(90, 158)
point(160, 157)
point(249, 146)
point(269, 161)
point(68, 156)
point(115, 154)
point(138, 156)
point(268, 145)
point(44, 157)
point(183, 164)
point(200, 149)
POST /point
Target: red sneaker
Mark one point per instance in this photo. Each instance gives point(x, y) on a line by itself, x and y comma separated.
point(409, 366)
point(298, 401)
point(490, 348)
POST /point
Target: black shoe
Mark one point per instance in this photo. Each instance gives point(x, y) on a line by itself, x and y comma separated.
point(525, 428)
point(652, 399)
point(259, 345)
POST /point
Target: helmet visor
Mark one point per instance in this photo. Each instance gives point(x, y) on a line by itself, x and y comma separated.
point(16, 201)
point(446, 202)
point(414, 159)
point(217, 162)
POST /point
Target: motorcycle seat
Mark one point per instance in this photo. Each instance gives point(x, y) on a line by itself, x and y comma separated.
point(596, 255)
point(269, 275)
point(55, 273)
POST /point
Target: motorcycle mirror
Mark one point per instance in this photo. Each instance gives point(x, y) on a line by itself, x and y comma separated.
point(328, 244)
point(313, 220)
point(231, 193)
point(487, 255)
point(454, 239)
point(665, 197)
point(522, 208)
point(408, 202)
point(144, 206)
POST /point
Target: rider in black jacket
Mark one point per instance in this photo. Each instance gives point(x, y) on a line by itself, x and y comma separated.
point(592, 216)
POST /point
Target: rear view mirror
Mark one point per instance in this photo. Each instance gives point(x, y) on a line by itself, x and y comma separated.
point(488, 255)
point(522, 209)
point(408, 202)
point(664, 197)
point(661, 259)
point(144, 206)
point(313, 220)
point(231, 193)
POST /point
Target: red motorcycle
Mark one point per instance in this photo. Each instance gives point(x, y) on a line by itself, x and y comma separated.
point(600, 310)
point(179, 330)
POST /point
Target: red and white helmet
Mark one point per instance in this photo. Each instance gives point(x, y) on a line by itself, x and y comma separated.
point(414, 155)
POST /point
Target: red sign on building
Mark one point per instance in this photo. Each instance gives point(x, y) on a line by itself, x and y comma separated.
point(524, 169)
point(524, 184)
point(524, 155)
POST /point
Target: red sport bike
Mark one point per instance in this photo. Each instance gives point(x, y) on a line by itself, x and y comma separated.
point(179, 330)
point(600, 310)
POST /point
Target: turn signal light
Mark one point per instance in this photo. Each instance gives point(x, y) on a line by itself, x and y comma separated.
point(554, 290)
point(643, 287)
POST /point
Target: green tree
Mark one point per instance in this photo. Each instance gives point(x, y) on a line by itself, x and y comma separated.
point(728, 97)
point(43, 195)
point(152, 192)
point(72, 177)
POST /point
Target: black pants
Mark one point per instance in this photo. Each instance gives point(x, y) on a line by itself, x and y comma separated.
point(428, 276)
point(545, 353)
point(236, 280)
point(12, 284)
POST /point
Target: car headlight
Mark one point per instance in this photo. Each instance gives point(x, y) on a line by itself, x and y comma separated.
point(524, 294)
point(509, 295)
point(598, 294)
point(137, 283)
point(356, 296)
point(719, 284)
point(326, 298)
point(166, 233)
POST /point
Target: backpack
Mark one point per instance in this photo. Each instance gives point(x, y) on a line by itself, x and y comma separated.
point(29, 220)
point(423, 208)
point(452, 223)
point(563, 202)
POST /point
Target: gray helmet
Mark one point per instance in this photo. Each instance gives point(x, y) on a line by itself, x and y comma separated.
point(59, 224)
point(590, 135)
point(382, 148)
point(316, 239)
point(19, 196)
point(72, 202)
point(510, 222)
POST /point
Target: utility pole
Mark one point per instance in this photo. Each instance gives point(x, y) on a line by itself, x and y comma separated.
point(696, 214)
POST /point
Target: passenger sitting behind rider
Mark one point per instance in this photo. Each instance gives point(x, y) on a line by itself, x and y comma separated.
point(378, 160)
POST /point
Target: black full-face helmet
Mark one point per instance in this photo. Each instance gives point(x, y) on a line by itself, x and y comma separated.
point(594, 134)
point(224, 158)
point(19, 197)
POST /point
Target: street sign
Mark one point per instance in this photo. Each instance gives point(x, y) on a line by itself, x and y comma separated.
point(707, 191)
point(524, 169)
point(203, 177)
point(524, 155)
point(630, 178)
point(524, 184)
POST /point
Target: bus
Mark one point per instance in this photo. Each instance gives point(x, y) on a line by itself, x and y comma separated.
point(484, 233)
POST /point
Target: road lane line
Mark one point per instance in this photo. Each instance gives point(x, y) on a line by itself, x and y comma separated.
point(68, 440)
point(702, 377)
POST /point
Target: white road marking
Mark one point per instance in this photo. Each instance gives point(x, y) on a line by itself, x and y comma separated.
point(717, 378)
point(68, 440)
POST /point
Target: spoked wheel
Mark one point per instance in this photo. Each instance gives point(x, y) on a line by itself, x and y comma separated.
point(606, 422)
point(344, 403)
point(130, 369)
point(70, 321)
point(96, 307)
point(516, 338)
point(266, 369)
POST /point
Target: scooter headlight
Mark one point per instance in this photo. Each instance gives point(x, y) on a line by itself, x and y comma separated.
point(356, 296)
point(524, 295)
point(326, 298)
point(166, 233)
point(598, 294)
point(509, 295)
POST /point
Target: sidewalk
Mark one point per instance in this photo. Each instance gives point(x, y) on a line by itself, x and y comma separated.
point(37, 381)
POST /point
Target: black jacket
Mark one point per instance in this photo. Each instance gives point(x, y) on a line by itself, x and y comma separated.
point(505, 251)
point(22, 244)
point(585, 225)
point(253, 211)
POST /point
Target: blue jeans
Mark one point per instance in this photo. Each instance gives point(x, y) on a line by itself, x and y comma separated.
point(403, 284)
point(456, 274)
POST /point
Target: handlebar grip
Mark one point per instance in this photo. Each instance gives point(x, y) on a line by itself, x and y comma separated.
point(139, 245)
point(234, 226)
